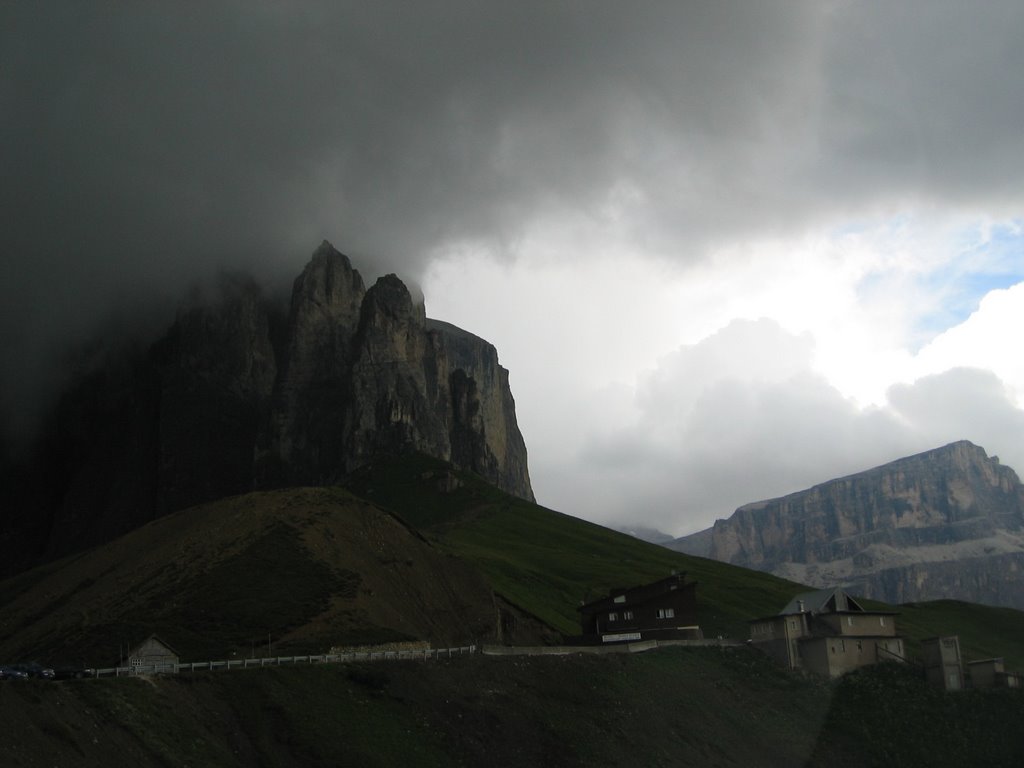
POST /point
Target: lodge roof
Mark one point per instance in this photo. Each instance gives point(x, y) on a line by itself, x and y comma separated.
point(828, 600)
point(632, 596)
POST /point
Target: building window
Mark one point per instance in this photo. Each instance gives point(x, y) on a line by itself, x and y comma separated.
point(666, 613)
point(849, 621)
point(859, 647)
point(613, 616)
point(627, 615)
point(881, 621)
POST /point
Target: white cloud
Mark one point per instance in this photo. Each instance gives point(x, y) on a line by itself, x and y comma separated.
point(714, 434)
point(667, 397)
point(989, 339)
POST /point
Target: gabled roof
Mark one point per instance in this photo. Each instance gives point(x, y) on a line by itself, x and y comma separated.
point(639, 595)
point(830, 600)
point(134, 650)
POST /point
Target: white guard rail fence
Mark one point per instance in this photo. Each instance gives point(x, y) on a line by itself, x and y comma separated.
point(279, 661)
point(419, 654)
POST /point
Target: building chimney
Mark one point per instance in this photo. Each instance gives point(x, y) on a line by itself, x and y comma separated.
point(800, 605)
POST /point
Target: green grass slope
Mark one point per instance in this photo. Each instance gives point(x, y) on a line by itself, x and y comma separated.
point(402, 554)
point(309, 567)
point(985, 632)
point(546, 562)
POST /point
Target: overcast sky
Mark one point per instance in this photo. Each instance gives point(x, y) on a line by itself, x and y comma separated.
point(726, 249)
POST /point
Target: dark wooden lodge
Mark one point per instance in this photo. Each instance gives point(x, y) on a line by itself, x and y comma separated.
point(662, 610)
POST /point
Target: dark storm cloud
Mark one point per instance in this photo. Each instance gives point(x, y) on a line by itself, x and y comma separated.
point(921, 103)
point(145, 145)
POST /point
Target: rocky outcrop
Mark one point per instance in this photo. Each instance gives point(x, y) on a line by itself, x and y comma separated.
point(301, 444)
point(400, 399)
point(241, 394)
point(364, 372)
point(484, 434)
point(947, 523)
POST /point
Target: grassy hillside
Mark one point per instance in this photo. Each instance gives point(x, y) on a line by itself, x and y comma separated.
point(316, 567)
point(307, 567)
point(313, 568)
point(672, 707)
point(985, 632)
point(546, 562)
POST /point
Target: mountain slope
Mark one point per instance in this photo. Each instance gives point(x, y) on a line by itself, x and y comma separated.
point(546, 562)
point(428, 553)
point(414, 550)
point(308, 567)
point(947, 523)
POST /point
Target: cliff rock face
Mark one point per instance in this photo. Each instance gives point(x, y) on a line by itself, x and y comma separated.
point(242, 395)
point(312, 390)
point(365, 372)
point(947, 523)
point(483, 430)
point(398, 398)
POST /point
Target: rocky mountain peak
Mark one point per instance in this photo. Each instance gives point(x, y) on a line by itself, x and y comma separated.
point(389, 310)
point(328, 287)
point(239, 396)
point(948, 522)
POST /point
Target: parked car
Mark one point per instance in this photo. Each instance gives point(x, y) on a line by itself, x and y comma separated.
point(71, 672)
point(34, 669)
point(10, 673)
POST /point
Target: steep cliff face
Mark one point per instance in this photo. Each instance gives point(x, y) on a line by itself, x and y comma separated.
point(313, 388)
point(485, 437)
point(399, 401)
point(945, 523)
point(365, 372)
point(242, 395)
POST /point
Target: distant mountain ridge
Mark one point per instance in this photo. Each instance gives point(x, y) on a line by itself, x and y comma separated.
point(946, 523)
point(242, 394)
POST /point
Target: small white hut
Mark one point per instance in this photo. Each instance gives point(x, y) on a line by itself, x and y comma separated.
point(153, 656)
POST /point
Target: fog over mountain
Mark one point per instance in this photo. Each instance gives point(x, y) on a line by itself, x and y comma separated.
point(726, 250)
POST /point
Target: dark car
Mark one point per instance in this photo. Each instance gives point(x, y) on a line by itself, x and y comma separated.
point(33, 669)
point(10, 673)
point(71, 672)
